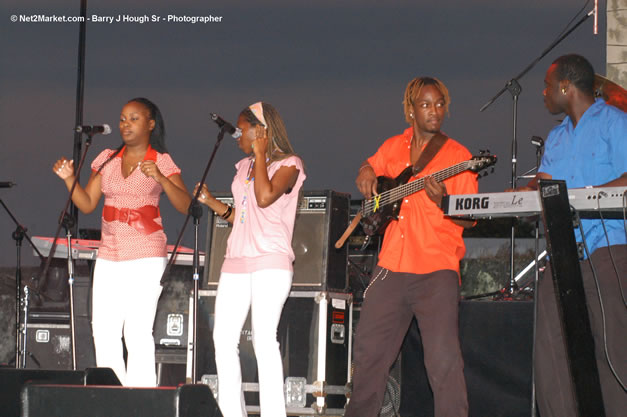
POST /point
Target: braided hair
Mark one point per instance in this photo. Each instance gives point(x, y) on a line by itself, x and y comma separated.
point(279, 146)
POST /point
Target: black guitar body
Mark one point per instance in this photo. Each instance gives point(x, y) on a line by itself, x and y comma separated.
point(379, 220)
point(378, 211)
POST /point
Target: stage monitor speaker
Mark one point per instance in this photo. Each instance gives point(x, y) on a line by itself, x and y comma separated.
point(12, 380)
point(321, 218)
point(99, 401)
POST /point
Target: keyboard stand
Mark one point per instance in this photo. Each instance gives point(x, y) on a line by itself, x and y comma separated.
point(571, 299)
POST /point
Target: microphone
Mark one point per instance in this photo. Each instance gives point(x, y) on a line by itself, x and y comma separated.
point(223, 124)
point(7, 184)
point(537, 141)
point(104, 129)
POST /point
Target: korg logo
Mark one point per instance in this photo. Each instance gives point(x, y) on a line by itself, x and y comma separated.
point(472, 203)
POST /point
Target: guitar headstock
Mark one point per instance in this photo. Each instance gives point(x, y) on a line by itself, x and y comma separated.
point(482, 161)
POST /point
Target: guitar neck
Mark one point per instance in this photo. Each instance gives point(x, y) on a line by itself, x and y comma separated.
point(390, 196)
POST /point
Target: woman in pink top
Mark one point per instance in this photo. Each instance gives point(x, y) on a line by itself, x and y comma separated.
point(132, 253)
point(257, 269)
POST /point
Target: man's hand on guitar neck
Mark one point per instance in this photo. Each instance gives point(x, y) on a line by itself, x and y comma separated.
point(367, 184)
point(435, 190)
point(366, 180)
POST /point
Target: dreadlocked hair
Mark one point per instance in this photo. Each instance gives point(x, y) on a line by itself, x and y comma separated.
point(413, 91)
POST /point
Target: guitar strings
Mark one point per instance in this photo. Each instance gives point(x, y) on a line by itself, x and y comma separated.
point(390, 196)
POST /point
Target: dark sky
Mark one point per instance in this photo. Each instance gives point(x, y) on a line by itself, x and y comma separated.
point(336, 71)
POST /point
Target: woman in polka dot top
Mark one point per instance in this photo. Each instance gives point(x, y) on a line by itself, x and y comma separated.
point(132, 253)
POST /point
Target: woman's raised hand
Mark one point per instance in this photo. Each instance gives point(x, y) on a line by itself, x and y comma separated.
point(64, 168)
point(204, 195)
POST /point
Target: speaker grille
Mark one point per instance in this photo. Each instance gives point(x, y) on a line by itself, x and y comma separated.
point(321, 218)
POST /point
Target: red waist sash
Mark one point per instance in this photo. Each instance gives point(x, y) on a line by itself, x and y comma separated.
point(140, 219)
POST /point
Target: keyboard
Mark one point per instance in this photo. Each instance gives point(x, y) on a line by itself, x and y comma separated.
point(88, 249)
point(609, 202)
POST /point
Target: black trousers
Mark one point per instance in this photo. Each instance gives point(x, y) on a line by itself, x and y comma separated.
point(390, 303)
point(553, 383)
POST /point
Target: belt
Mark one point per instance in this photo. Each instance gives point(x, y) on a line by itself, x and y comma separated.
point(140, 219)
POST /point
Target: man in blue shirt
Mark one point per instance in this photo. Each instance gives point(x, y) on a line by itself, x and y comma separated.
point(588, 149)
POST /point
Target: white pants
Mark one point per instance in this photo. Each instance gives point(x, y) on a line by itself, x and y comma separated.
point(264, 293)
point(125, 297)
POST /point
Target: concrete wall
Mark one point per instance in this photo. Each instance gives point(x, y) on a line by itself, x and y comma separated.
point(617, 41)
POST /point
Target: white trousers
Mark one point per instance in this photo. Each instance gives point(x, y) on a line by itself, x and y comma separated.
point(264, 294)
point(125, 296)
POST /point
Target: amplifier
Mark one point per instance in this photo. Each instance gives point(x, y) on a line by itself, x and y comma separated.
point(48, 329)
point(49, 346)
point(321, 218)
point(170, 327)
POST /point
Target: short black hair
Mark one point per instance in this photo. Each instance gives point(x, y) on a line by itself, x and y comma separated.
point(577, 70)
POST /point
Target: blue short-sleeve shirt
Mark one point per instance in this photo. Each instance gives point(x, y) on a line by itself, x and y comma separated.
point(591, 153)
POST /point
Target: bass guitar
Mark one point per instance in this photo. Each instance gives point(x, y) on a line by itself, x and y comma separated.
point(378, 211)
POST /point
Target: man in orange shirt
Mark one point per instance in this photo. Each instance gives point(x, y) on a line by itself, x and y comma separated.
point(418, 269)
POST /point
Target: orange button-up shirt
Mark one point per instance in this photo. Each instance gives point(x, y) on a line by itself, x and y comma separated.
point(423, 240)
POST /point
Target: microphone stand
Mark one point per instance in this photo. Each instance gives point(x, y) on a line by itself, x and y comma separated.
point(515, 89)
point(66, 221)
point(195, 211)
point(18, 235)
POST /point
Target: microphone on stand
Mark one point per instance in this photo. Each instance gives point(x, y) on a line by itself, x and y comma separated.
point(236, 132)
point(537, 141)
point(103, 129)
point(7, 184)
